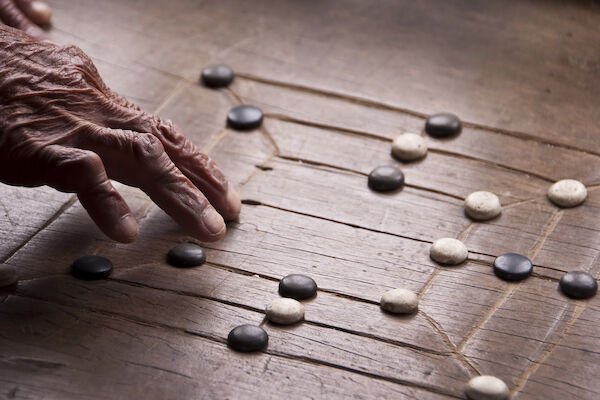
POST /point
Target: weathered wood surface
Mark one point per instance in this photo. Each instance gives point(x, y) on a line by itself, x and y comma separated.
point(337, 81)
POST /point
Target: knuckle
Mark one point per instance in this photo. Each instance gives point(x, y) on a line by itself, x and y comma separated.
point(146, 147)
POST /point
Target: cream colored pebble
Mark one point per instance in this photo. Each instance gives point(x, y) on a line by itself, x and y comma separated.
point(482, 205)
point(487, 387)
point(8, 275)
point(567, 193)
point(448, 251)
point(400, 301)
point(409, 147)
point(285, 311)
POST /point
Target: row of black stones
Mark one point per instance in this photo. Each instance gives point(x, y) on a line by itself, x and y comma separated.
point(242, 118)
point(574, 284)
point(247, 337)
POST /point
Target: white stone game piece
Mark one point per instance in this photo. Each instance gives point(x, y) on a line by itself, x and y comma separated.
point(400, 301)
point(285, 311)
point(567, 193)
point(409, 147)
point(482, 205)
point(448, 251)
point(487, 387)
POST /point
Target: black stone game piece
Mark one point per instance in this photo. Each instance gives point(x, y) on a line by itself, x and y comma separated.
point(297, 286)
point(578, 285)
point(243, 118)
point(186, 255)
point(386, 178)
point(91, 267)
point(247, 338)
point(216, 76)
point(512, 267)
point(443, 125)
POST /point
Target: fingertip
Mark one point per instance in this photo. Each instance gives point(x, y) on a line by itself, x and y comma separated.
point(214, 224)
point(127, 230)
point(234, 204)
point(40, 12)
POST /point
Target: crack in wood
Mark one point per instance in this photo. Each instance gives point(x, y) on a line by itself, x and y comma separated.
point(446, 339)
point(401, 110)
point(535, 365)
point(66, 205)
point(548, 229)
point(219, 340)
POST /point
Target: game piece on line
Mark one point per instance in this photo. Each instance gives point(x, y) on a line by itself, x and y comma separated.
point(8, 275)
point(386, 178)
point(219, 75)
point(297, 286)
point(243, 118)
point(247, 338)
point(482, 205)
point(285, 311)
point(578, 285)
point(512, 266)
point(400, 301)
point(443, 125)
point(448, 251)
point(409, 147)
point(567, 193)
point(487, 387)
point(92, 267)
point(186, 255)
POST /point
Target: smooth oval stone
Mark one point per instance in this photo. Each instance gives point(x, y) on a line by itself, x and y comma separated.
point(512, 266)
point(443, 125)
point(578, 285)
point(486, 387)
point(409, 147)
point(482, 205)
point(92, 267)
point(217, 75)
point(186, 255)
point(399, 301)
point(448, 251)
point(247, 338)
point(285, 311)
point(386, 178)
point(8, 275)
point(297, 286)
point(244, 118)
point(567, 193)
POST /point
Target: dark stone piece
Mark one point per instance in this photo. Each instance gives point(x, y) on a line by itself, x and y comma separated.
point(215, 76)
point(578, 285)
point(243, 118)
point(386, 178)
point(186, 255)
point(443, 125)
point(512, 267)
point(91, 267)
point(247, 338)
point(297, 286)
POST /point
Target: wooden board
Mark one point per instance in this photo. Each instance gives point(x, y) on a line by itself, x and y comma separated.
point(337, 82)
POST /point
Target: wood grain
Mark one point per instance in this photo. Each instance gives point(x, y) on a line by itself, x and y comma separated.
point(153, 361)
point(337, 82)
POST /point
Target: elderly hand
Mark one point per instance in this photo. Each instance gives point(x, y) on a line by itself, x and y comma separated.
point(61, 126)
point(25, 14)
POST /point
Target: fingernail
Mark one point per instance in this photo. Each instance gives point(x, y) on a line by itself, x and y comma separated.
point(233, 203)
point(213, 221)
point(128, 228)
point(41, 13)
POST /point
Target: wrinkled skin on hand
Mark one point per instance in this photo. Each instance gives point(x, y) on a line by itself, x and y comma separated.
point(61, 126)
